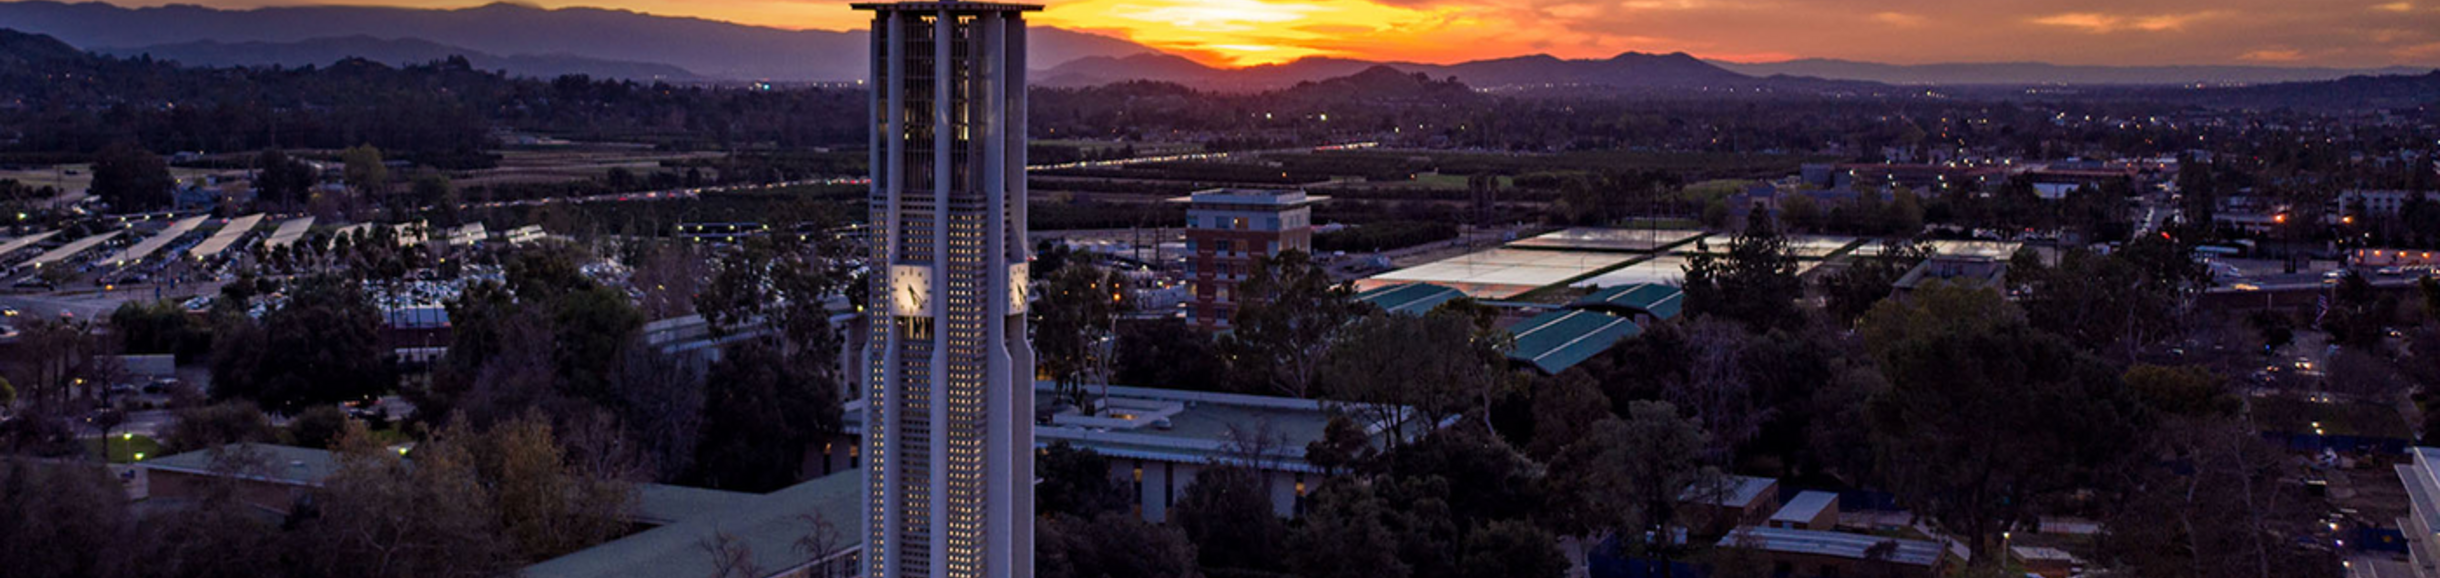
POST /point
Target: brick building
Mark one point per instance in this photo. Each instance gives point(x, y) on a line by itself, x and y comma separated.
point(1227, 230)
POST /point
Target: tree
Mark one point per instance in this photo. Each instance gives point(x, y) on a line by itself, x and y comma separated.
point(377, 516)
point(59, 520)
point(1800, 211)
point(1167, 354)
point(1625, 479)
point(1342, 446)
point(2182, 390)
point(1287, 315)
point(280, 181)
point(1437, 364)
point(1512, 549)
point(206, 427)
point(131, 179)
point(433, 189)
point(1987, 418)
point(659, 401)
point(2217, 503)
point(545, 505)
point(1110, 544)
point(1226, 512)
point(591, 328)
point(1865, 281)
point(322, 347)
point(1905, 217)
point(1565, 409)
point(1343, 535)
point(784, 282)
point(151, 327)
point(1075, 482)
point(1073, 321)
point(365, 171)
point(319, 427)
point(1754, 283)
point(761, 410)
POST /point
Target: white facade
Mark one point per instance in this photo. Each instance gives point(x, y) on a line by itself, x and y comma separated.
point(2422, 522)
point(949, 454)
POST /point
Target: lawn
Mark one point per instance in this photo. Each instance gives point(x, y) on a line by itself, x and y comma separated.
point(123, 448)
point(1456, 182)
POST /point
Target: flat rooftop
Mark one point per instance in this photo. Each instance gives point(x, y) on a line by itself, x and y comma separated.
point(1806, 506)
point(1812, 247)
point(1742, 491)
point(1501, 273)
point(1834, 544)
point(1609, 239)
point(1183, 426)
point(73, 248)
point(1659, 270)
point(768, 526)
point(258, 462)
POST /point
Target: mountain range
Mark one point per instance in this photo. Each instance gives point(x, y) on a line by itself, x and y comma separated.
point(1632, 70)
point(404, 51)
point(708, 48)
point(531, 41)
point(2035, 73)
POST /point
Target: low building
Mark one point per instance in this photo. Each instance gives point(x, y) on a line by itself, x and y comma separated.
point(271, 478)
point(1410, 298)
point(809, 530)
point(1157, 440)
point(1809, 510)
point(1822, 554)
point(1737, 501)
point(2422, 522)
point(2375, 203)
point(1968, 271)
point(1552, 342)
point(1643, 303)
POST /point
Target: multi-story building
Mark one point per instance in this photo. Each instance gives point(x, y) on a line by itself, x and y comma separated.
point(1227, 230)
point(948, 453)
point(2422, 522)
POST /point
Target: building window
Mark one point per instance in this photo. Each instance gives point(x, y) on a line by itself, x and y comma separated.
point(1270, 223)
point(1240, 223)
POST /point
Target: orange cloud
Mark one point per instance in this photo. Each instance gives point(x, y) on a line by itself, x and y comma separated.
point(2099, 23)
point(2273, 55)
point(1898, 19)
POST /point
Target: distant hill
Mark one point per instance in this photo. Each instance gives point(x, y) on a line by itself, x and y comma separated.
point(405, 51)
point(704, 47)
point(2026, 73)
point(2363, 92)
point(1632, 70)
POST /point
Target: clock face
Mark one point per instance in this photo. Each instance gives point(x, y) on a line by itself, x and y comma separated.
point(910, 290)
point(1020, 286)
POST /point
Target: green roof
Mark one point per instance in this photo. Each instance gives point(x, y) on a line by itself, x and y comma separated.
point(767, 525)
point(1558, 340)
point(1655, 299)
point(663, 503)
point(1411, 298)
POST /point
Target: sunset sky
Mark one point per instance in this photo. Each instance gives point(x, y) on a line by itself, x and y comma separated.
point(1241, 32)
